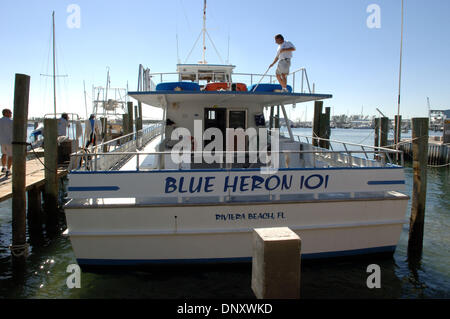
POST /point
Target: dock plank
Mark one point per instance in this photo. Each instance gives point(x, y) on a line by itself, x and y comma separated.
point(35, 177)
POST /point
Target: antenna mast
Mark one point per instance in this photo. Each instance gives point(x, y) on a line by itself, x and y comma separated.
point(54, 67)
point(204, 32)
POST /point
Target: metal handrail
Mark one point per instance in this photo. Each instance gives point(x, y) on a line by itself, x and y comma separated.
point(269, 153)
point(353, 144)
point(128, 137)
point(304, 79)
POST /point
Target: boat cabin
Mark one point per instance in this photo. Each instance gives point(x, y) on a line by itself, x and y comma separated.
point(206, 97)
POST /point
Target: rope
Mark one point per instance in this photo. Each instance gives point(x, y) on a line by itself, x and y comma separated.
point(370, 134)
point(437, 166)
point(405, 142)
point(19, 250)
point(32, 149)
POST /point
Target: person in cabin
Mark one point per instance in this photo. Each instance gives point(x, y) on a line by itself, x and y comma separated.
point(6, 133)
point(63, 124)
point(284, 56)
point(93, 130)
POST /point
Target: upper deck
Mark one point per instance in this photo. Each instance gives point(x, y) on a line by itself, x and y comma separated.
point(206, 74)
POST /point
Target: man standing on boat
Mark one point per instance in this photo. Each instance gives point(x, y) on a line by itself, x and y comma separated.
point(92, 131)
point(284, 55)
point(6, 132)
point(63, 123)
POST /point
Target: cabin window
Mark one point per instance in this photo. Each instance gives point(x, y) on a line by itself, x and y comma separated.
point(211, 115)
point(237, 119)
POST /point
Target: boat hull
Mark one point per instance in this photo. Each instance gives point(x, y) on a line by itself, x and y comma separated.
point(118, 235)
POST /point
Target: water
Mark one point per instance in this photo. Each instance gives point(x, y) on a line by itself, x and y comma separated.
point(45, 275)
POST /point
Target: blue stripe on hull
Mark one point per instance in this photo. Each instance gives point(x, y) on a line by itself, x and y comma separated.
point(137, 262)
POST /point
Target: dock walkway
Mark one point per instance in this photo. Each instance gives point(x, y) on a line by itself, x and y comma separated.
point(35, 177)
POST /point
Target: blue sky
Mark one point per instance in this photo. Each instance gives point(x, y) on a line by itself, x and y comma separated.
point(343, 57)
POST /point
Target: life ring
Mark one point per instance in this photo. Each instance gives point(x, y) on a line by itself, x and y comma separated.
point(217, 86)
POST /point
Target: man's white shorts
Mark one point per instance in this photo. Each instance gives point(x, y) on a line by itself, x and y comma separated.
point(283, 66)
point(7, 150)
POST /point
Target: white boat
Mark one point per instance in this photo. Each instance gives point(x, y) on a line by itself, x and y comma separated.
point(138, 207)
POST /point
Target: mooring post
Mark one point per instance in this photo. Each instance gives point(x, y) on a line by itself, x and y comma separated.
point(19, 247)
point(420, 160)
point(34, 210)
point(140, 115)
point(105, 136)
point(136, 125)
point(384, 131)
point(377, 136)
point(130, 117)
point(271, 120)
point(398, 130)
point(125, 124)
point(51, 174)
point(277, 118)
point(318, 105)
point(324, 128)
point(397, 134)
point(327, 125)
point(276, 263)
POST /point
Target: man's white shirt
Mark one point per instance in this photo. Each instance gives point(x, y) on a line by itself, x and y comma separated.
point(288, 54)
point(6, 130)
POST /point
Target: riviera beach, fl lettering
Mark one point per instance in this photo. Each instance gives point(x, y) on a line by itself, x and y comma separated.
point(250, 216)
point(245, 184)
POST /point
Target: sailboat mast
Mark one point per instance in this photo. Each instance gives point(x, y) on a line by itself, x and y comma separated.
point(54, 67)
point(397, 133)
point(204, 32)
point(85, 103)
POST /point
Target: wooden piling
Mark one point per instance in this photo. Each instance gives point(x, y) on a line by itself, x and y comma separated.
point(420, 160)
point(130, 117)
point(277, 118)
point(318, 105)
point(35, 210)
point(276, 263)
point(136, 118)
point(105, 135)
point(51, 176)
point(397, 134)
point(271, 119)
point(384, 130)
point(324, 128)
point(377, 136)
point(397, 129)
point(125, 124)
point(140, 115)
point(19, 247)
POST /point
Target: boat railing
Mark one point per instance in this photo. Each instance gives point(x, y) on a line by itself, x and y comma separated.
point(251, 78)
point(379, 153)
point(113, 153)
point(319, 158)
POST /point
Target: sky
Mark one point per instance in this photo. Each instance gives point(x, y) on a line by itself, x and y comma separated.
point(358, 65)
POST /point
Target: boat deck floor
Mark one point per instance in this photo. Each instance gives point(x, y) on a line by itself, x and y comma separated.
point(146, 162)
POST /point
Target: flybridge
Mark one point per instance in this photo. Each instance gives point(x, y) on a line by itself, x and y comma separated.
point(205, 72)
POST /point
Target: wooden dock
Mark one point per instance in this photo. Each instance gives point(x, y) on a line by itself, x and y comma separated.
point(438, 152)
point(35, 178)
